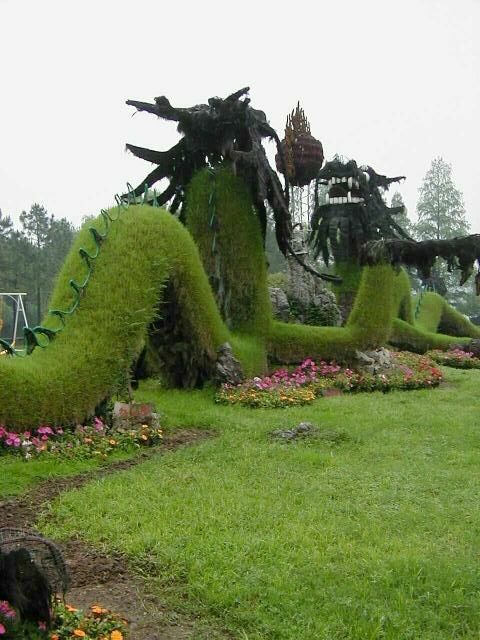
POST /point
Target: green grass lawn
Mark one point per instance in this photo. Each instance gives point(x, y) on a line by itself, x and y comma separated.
point(374, 537)
point(17, 475)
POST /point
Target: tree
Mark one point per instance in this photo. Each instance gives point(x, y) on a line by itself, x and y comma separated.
point(35, 226)
point(6, 226)
point(440, 209)
point(441, 216)
point(401, 218)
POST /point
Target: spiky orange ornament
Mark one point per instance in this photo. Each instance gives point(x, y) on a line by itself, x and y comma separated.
point(302, 152)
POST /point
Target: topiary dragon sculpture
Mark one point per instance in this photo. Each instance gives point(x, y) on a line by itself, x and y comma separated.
point(149, 252)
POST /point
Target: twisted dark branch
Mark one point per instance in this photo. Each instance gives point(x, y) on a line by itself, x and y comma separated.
point(459, 253)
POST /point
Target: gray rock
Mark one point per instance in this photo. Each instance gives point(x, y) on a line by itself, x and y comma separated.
point(377, 361)
point(280, 306)
point(363, 359)
point(300, 431)
point(308, 430)
point(228, 369)
point(309, 299)
point(129, 415)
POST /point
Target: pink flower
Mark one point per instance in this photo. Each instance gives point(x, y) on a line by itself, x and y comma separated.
point(6, 610)
point(2, 629)
point(44, 430)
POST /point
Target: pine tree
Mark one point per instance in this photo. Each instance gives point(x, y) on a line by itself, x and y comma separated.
point(441, 215)
point(401, 219)
point(440, 209)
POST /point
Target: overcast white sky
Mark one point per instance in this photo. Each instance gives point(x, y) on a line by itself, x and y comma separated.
point(392, 84)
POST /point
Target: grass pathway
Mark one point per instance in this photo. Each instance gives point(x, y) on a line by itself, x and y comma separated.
point(374, 537)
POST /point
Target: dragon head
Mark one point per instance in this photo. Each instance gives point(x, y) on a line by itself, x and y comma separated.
point(354, 211)
point(350, 184)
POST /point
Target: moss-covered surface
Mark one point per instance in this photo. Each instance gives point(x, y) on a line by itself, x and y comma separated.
point(89, 359)
point(351, 274)
point(223, 223)
point(437, 325)
point(402, 298)
point(145, 248)
point(368, 325)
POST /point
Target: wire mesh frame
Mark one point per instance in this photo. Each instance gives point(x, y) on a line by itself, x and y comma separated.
point(17, 299)
point(44, 553)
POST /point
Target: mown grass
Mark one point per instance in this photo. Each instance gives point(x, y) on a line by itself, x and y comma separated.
point(17, 476)
point(375, 537)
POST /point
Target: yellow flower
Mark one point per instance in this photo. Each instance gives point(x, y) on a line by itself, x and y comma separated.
point(54, 636)
point(70, 608)
point(116, 635)
point(144, 437)
point(112, 442)
point(78, 633)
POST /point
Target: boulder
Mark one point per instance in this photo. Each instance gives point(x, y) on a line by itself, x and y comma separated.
point(131, 415)
point(375, 362)
point(228, 369)
point(280, 306)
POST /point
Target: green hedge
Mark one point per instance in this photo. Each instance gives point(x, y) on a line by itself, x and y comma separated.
point(88, 360)
point(437, 326)
point(368, 325)
point(223, 223)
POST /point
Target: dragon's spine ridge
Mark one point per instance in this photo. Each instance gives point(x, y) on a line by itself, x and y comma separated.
point(31, 334)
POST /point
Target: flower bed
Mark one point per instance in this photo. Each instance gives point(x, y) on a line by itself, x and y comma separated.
point(308, 381)
point(455, 358)
point(95, 440)
point(68, 623)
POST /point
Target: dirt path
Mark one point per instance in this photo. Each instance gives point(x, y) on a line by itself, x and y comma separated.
point(102, 578)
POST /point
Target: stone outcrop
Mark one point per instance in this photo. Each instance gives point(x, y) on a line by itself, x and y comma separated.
point(280, 306)
point(305, 300)
point(227, 369)
point(374, 362)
